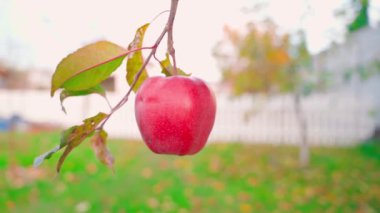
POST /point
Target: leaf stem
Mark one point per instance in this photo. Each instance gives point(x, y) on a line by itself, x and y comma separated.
point(168, 29)
point(158, 15)
point(116, 57)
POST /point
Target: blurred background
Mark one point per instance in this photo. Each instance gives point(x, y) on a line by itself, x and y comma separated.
point(298, 119)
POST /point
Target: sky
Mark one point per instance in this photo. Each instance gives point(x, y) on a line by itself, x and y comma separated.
point(38, 34)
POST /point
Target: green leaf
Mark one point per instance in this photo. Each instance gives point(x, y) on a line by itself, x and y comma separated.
point(88, 66)
point(347, 76)
point(98, 89)
point(77, 134)
point(64, 136)
point(136, 60)
point(168, 69)
point(364, 74)
point(38, 160)
point(307, 88)
point(71, 138)
point(98, 142)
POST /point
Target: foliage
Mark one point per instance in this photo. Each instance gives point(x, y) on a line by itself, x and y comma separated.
point(73, 137)
point(99, 145)
point(227, 177)
point(98, 89)
point(82, 72)
point(363, 72)
point(135, 59)
point(361, 19)
point(263, 61)
point(168, 69)
point(87, 67)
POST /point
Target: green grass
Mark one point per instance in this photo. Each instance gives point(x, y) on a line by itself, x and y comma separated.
point(222, 178)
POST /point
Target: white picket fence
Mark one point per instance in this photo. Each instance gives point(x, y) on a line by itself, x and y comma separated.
point(340, 118)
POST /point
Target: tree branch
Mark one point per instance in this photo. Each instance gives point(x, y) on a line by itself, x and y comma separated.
point(168, 29)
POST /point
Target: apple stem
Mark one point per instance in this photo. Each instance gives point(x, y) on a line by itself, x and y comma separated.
point(168, 29)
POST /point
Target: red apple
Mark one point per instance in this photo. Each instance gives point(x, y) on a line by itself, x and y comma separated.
point(175, 114)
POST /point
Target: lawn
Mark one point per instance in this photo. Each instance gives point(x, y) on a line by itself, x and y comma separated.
point(229, 177)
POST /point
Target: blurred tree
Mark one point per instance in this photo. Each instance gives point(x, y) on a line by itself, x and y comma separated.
point(355, 14)
point(361, 19)
point(261, 61)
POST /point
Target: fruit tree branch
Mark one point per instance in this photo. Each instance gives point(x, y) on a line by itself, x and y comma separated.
point(168, 29)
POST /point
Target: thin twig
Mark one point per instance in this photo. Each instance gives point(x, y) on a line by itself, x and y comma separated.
point(155, 58)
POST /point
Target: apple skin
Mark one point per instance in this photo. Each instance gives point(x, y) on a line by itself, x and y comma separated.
point(175, 115)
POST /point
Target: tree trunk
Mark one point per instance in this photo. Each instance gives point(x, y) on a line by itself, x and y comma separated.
point(304, 154)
